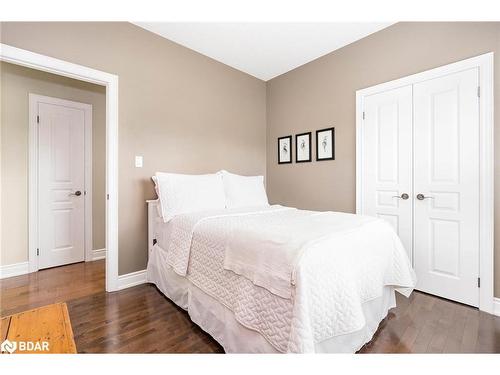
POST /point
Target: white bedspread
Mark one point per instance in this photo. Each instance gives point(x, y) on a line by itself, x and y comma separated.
point(268, 251)
point(322, 280)
point(183, 228)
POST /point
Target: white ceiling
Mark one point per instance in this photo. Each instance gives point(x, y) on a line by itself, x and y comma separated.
point(264, 50)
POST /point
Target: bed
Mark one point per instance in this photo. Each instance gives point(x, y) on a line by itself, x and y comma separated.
point(274, 279)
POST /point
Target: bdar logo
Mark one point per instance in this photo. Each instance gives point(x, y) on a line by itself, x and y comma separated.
point(8, 346)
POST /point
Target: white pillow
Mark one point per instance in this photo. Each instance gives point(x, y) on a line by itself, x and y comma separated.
point(244, 191)
point(182, 193)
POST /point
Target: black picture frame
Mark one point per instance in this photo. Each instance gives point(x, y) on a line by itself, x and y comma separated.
point(309, 136)
point(289, 137)
point(319, 143)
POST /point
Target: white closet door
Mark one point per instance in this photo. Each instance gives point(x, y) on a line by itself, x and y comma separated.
point(446, 174)
point(387, 162)
point(61, 185)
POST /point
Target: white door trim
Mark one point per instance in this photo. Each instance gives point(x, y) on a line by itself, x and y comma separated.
point(37, 61)
point(486, 164)
point(33, 244)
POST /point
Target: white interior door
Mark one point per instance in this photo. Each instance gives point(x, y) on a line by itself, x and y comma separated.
point(446, 174)
point(387, 160)
point(61, 177)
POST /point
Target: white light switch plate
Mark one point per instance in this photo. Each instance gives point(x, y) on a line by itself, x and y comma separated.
point(138, 161)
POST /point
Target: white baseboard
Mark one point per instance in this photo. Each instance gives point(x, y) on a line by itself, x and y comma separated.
point(131, 279)
point(15, 269)
point(98, 254)
point(496, 306)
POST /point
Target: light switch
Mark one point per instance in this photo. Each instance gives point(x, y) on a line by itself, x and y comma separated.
point(138, 161)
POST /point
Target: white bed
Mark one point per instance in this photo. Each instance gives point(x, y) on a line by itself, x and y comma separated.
point(342, 287)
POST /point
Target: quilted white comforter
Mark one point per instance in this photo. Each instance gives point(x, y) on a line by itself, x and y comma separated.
point(331, 276)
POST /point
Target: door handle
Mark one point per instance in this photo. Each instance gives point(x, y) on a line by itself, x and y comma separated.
point(77, 193)
point(403, 196)
point(421, 197)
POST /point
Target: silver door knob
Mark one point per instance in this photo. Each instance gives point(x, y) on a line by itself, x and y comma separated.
point(77, 193)
point(421, 197)
point(403, 196)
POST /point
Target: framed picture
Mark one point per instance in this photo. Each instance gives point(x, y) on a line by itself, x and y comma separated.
point(303, 147)
point(285, 150)
point(325, 144)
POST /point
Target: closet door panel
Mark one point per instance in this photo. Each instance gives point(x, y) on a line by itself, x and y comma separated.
point(387, 161)
point(446, 175)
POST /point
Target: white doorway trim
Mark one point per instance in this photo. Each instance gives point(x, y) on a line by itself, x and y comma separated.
point(37, 61)
point(33, 157)
point(486, 159)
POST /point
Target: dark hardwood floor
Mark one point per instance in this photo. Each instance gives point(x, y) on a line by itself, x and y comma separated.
point(427, 324)
point(58, 284)
point(142, 320)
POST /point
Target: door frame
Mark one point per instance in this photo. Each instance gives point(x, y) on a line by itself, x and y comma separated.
point(33, 185)
point(484, 63)
point(49, 64)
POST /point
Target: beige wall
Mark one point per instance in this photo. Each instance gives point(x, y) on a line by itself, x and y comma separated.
point(182, 111)
point(16, 83)
point(322, 94)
